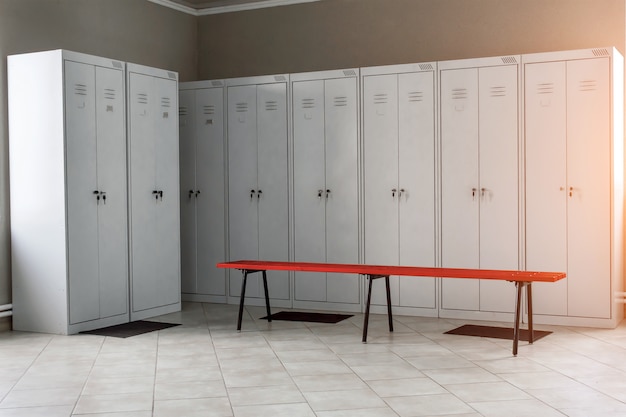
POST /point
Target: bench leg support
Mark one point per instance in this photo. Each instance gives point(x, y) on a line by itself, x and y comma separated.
point(243, 295)
point(366, 319)
point(518, 312)
point(267, 297)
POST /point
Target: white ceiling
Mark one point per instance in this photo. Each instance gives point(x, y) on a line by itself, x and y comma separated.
point(205, 7)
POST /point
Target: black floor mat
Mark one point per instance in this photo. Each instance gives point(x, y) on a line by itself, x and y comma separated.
point(309, 317)
point(133, 328)
point(495, 332)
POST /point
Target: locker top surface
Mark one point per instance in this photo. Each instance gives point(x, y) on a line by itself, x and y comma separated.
point(606, 51)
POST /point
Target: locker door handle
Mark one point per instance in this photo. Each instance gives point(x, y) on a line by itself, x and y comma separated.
point(258, 194)
point(327, 194)
point(104, 197)
point(190, 193)
point(401, 192)
point(97, 194)
point(197, 193)
point(319, 194)
point(483, 191)
point(155, 193)
point(252, 192)
point(474, 193)
point(571, 191)
point(393, 192)
point(161, 194)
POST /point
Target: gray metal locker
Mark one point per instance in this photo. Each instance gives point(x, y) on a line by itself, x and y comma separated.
point(258, 205)
point(154, 191)
point(399, 132)
point(68, 192)
point(202, 190)
point(325, 143)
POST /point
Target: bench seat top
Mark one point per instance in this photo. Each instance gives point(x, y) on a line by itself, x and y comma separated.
point(387, 270)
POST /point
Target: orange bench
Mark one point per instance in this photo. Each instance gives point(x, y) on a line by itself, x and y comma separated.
point(520, 278)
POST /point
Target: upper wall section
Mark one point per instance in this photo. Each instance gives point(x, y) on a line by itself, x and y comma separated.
point(358, 33)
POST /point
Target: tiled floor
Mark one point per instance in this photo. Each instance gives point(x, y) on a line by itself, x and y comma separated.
point(205, 368)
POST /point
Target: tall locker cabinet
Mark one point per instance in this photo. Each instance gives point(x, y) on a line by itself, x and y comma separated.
point(399, 131)
point(68, 192)
point(325, 108)
point(202, 190)
point(153, 191)
point(258, 194)
point(574, 183)
point(480, 182)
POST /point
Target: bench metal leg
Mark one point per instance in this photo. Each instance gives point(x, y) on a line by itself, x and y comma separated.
point(366, 319)
point(518, 306)
point(267, 297)
point(243, 297)
point(529, 307)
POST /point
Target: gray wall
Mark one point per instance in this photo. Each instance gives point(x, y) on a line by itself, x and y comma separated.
point(129, 30)
point(333, 34)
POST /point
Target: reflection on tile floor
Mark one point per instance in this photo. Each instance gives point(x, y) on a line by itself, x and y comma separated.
point(206, 368)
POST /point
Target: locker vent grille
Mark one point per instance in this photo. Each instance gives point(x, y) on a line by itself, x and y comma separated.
point(545, 88)
point(80, 89)
point(172, 75)
point(509, 60)
point(308, 103)
point(271, 105)
point(209, 109)
point(587, 85)
point(165, 102)
point(241, 107)
point(183, 111)
point(280, 78)
point(416, 96)
point(142, 98)
point(340, 101)
point(600, 52)
point(349, 73)
point(498, 91)
point(426, 67)
point(109, 94)
point(381, 98)
point(117, 64)
point(459, 93)
point(217, 84)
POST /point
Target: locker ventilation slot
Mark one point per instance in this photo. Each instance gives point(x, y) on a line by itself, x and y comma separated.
point(217, 83)
point(271, 105)
point(416, 96)
point(117, 64)
point(545, 88)
point(209, 109)
point(509, 60)
point(459, 93)
point(308, 103)
point(426, 67)
point(349, 73)
point(165, 102)
point(241, 107)
point(109, 94)
point(340, 101)
point(600, 52)
point(380, 98)
point(183, 111)
point(172, 75)
point(142, 98)
point(498, 91)
point(280, 78)
point(80, 89)
point(587, 85)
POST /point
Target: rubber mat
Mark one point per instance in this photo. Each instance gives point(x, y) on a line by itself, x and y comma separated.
point(495, 332)
point(133, 328)
point(308, 317)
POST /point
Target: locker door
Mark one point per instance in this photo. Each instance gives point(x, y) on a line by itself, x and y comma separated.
point(272, 197)
point(416, 171)
point(209, 128)
point(142, 97)
point(588, 188)
point(188, 227)
point(242, 181)
point(341, 132)
point(112, 211)
point(498, 145)
point(309, 187)
point(80, 124)
point(546, 210)
point(380, 153)
point(167, 256)
point(459, 185)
